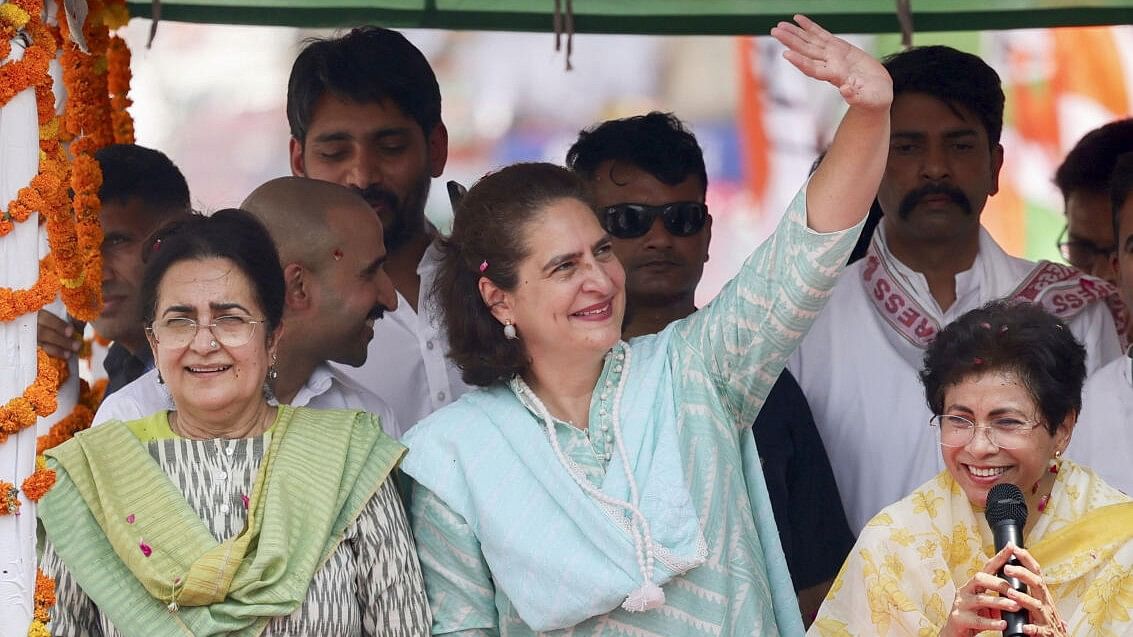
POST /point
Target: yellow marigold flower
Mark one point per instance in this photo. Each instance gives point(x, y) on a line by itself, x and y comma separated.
point(13, 15)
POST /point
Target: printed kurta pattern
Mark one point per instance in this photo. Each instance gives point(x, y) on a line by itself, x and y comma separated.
point(366, 587)
point(723, 361)
point(903, 574)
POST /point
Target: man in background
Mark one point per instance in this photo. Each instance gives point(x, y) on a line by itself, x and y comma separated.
point(141, 191)
point(1103, 437)
point(1088, 242)
point(365, 112)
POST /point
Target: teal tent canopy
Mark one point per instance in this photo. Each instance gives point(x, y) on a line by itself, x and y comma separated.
point(668, 17)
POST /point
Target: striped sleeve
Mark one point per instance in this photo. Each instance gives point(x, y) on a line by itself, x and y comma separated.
point(74, 614)
point(747, 332)
point(391, 591)
point(457, 579)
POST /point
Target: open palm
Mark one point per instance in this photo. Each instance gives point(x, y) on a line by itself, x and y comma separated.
point(861, 79)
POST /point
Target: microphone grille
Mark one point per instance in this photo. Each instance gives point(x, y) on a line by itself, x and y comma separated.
point(1005, 502)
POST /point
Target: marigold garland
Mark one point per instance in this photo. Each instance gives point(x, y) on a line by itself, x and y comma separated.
point(44, 601)
point(118, 83)
point(9, 498)
point(16, 303)
point(39, 399)
point(39, 482)
point(79, 419)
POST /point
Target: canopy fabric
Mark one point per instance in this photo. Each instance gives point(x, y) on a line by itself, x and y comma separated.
point(671, 17)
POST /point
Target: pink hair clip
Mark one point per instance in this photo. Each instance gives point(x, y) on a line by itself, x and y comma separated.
point(977, 361)
point(483, 266)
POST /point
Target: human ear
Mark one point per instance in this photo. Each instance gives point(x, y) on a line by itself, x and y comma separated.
point(438, 149)
point(295, 149)
point(497, 300)
point(296, 292)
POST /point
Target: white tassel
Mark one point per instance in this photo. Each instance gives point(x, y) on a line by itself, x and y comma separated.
point(648, 597)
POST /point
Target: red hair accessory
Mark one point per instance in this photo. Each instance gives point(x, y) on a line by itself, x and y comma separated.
point(483, 266)
point(977, 361)
point(337, 254)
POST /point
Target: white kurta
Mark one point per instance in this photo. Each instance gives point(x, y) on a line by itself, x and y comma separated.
point(326, 388)
point(865, 392)
point(1103, 437)
point(408, 366)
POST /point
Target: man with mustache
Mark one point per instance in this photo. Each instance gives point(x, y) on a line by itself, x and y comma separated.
point(365, 112)
point(929, 262)
point(648, 180)
point(330, 245)
point(141, 191)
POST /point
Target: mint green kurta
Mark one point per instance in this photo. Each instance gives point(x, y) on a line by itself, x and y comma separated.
point(484, 481)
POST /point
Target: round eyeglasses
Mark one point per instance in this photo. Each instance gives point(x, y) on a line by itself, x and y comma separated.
point(177, 332)
point(1005, 432)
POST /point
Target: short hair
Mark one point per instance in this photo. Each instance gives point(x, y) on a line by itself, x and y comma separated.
point(369, 64)
point(232, 234)
point(1090, 163)
point(1007, 336)
point(489, 227)
point(1120, 186)
point(130, 171)
point(953, 77)
point(657, 143)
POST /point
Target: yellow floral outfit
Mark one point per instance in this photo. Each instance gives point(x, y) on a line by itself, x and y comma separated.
point(903, 574)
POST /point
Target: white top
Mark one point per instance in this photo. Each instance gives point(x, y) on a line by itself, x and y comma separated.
point(1103, 437)
point(326, 388)
point(407, 365)
point(865, 392)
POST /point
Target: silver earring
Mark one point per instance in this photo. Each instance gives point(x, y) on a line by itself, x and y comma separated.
point(273, 373)
point(509, 331)
point(213, 344)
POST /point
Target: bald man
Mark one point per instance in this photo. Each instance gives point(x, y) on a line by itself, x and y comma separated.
point(332, 251)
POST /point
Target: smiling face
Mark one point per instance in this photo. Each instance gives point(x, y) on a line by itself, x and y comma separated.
point(940, 172)
point(352, 289)
point(202, 379)
point(660, 267)
point(379, 151)
point(570, 297)
point(979, 465)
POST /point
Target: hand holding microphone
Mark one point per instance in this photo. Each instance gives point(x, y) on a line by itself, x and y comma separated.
point(1023, 605)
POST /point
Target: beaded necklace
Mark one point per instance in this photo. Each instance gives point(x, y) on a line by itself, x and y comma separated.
point(649, 595)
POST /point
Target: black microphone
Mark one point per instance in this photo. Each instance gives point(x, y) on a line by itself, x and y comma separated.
point(1006, 514)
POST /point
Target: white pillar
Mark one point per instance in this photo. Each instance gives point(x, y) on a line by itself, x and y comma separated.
point(20, 252)
point(19, 268)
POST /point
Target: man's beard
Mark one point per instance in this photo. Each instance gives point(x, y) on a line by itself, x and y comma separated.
point(915, 196)
point(408, 216)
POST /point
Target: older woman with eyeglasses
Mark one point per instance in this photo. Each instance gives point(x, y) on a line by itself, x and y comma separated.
point(1005, 382)
point(228, 515)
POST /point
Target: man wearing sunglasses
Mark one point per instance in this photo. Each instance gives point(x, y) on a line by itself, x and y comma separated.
point(1087, 242)
point(649, 182)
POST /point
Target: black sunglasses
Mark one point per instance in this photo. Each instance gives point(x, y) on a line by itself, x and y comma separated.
point(631, 220)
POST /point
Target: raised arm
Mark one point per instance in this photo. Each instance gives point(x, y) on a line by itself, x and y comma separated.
point(841, 190)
